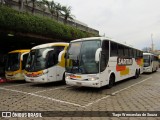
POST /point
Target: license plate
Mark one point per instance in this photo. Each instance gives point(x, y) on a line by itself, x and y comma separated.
point(74, 77)
point(32, 79)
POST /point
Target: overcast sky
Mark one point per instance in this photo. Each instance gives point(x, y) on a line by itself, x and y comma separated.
point(130, 21)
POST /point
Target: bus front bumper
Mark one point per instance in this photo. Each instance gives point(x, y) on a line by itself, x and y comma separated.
point(147, 70)
point(18, 76)
point(84, 83)
point(40, 79)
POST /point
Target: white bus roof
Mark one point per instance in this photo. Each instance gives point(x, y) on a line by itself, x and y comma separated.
point(103, 38)
point(50, 44)
point(149, 54)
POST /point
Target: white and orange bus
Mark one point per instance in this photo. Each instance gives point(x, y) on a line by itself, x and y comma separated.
point(46, 63)
point(99, 61)
point(15, 64)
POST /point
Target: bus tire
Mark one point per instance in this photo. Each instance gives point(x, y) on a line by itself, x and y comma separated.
point(136, 74)
point(139, 72)
point(111, 81)
point(63, 79)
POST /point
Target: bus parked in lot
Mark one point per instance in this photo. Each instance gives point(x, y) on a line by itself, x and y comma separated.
point(151, 62)
point(15, 64)
point(98, 61)
point(46, 63)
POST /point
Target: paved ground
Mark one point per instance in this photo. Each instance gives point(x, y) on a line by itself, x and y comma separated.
point(137, 95)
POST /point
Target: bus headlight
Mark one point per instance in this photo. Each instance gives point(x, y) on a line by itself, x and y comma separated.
point(93, 78)
point(67, 77)
point(45, 71)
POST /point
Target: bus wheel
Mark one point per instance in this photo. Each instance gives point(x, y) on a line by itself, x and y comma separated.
point(139, 72)
point(111, 81)
point(63, 80)
point(136, 74)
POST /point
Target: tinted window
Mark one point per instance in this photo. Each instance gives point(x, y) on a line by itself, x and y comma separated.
point(135, 53)
point(104, 55)
point(141, 54)
point(81, 57)
point(120, 50)
point(114, 49)
point(25, 56)
point(13, 62)
point(126, 51)
point(138, 53)
point(131, 52)
point(52, 56)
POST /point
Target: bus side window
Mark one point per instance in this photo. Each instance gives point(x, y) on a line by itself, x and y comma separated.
point(104, 55)
point(130, 53)
point(135, 53)
point(120, 50)
point(138, 54)
point(52, 58)
point(141, 54)
point(24, 60)
point(126, 52)
point(114, 49)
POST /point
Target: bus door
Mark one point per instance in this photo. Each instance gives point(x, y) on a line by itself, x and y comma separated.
point(24, 57)
point(52, 61)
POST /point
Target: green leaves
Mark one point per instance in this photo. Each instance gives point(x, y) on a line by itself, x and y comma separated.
point(27, 23)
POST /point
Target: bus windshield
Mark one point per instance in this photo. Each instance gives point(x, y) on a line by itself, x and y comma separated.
point(40, 59)
point(81, 57)
point(146, 60)
point(13, 62)
point(35, 60)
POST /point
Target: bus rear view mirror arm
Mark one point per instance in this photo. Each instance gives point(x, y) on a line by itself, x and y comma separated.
point(45, 52)
point(97, 54)
point(60, 55)
point(23, 55)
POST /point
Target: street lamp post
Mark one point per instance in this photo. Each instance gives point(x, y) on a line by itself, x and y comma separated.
point(152, 45)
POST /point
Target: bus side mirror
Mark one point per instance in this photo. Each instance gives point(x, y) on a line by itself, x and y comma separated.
point(60, 55)
point(45, 52)
point(23, 55)
point(97, 54)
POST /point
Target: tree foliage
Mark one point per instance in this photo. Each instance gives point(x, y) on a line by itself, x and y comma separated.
point(26, 23)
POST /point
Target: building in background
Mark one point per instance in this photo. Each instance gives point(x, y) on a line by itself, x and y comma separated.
point(28, 7)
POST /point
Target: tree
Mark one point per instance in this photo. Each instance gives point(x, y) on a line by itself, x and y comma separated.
point(21, 4)
point(51, 6)
point(67, 13)
point(58, 9)
point(43, 5)
point(34, 2)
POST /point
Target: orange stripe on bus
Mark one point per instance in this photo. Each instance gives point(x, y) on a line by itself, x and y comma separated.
point(120, 68)
point(139, 62)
